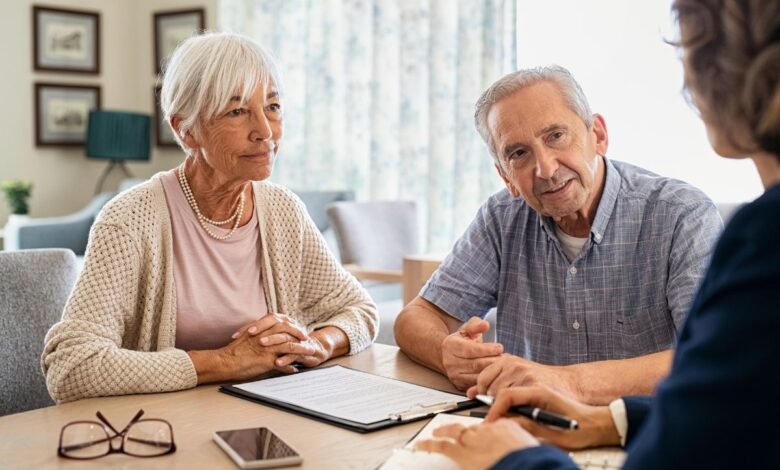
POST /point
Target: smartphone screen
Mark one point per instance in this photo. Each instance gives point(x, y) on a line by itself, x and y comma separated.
point(257, 444)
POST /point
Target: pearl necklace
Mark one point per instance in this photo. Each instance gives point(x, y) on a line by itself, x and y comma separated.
point(185, 186)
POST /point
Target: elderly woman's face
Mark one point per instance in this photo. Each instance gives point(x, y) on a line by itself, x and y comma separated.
point(243, 139)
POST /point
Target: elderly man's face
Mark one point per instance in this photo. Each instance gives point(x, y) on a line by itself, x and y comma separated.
point(548, 156)
point(243, 140)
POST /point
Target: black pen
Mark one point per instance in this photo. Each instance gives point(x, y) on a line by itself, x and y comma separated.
point(537, 414)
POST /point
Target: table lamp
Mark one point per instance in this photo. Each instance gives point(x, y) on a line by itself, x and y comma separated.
point(117, 136)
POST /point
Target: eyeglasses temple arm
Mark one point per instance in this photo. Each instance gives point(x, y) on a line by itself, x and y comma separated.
point(119, 433)
point(149, 442)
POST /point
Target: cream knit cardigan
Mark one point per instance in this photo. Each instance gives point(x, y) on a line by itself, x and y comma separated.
point(117, 333)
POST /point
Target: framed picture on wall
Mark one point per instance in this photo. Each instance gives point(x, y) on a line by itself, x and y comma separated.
point(61, 113)
point(66, 40)
point(171, 28)
point(164, 134)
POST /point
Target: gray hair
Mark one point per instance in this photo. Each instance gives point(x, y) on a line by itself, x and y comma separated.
point(206, 71)
point(513, 82)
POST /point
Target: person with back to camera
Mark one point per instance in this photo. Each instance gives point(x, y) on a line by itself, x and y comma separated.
point(207, 272)
point(718, 407)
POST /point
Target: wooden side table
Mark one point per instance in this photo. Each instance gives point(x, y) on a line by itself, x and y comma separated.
point(416, 272)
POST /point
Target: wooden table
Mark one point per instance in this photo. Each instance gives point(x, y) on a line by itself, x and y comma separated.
point(29, 440)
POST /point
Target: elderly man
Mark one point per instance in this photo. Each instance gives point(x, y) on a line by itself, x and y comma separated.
point(591, 263)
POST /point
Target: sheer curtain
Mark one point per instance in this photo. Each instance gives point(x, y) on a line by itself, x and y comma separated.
point(379, 97)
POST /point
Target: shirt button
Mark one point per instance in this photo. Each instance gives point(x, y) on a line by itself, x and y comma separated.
point(572, 270)
point(576, 325)
point(597, 237)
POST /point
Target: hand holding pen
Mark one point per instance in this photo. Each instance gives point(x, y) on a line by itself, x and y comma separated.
point(581, 425)
point(537, 414)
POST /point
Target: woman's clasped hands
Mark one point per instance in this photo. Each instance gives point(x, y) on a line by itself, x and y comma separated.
point(275, 342)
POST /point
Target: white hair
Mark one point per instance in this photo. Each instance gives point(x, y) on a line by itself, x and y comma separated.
point(206, 71)
point(513, 82)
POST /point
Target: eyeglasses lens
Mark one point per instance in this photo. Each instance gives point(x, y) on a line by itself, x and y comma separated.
point(85, 440)
point(148, 437)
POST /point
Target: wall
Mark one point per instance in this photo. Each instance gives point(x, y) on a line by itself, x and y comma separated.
point(64, 178)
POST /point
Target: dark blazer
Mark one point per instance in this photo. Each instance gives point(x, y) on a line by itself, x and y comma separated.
point(720, 405)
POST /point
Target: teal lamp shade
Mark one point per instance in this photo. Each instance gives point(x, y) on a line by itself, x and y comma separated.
point(118, 135)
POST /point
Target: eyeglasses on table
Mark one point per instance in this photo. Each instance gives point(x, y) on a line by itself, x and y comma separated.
point(85, 440)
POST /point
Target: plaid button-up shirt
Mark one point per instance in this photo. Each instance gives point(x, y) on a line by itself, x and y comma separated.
point(625, 295)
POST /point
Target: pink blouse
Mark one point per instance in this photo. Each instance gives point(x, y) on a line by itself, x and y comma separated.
point(218, 283)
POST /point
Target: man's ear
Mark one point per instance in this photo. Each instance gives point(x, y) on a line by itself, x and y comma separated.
point(186, 137)
point(600, 132)
point(509, 186)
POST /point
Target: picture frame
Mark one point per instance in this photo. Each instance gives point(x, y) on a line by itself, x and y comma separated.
point(162, 131)
point(66, 40)
point(171, 28)
point(61, 113)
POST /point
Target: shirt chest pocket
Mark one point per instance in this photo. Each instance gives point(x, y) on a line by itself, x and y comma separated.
point(642, 330)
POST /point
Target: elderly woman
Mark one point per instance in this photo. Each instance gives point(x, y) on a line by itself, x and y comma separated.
point(718, 407)
point(207, 272)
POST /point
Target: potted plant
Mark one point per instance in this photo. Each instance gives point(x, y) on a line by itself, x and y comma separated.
point(16, 193)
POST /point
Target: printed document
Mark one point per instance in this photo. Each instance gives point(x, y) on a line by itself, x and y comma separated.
point(605, 458)
point(348, 394)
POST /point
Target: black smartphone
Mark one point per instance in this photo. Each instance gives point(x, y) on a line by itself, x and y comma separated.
point(257, 448)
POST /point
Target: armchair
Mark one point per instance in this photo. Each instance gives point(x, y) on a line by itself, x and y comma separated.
point(36, 284)
point(69, 231)
point(316, 203)
point(373, 238)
